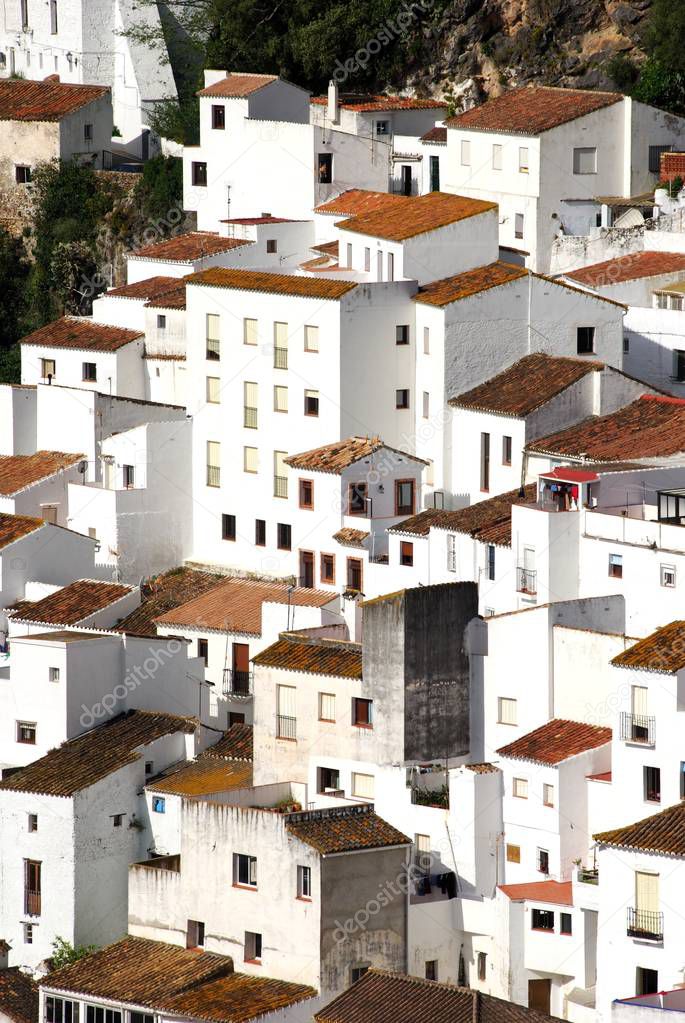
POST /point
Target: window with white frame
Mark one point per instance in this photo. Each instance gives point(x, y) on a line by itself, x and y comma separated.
point(362, 785)
point(518, 225)
point(506, 710)
point(101, 1014)
point(60, 1010)
point(245, 870)
point(519, 788)
point(326, 706)
point(253, 947)
point(304, 882)
point(548, 794)
point(668, 576)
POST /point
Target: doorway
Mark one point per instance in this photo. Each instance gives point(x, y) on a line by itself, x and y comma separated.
point(241, 668)
point(539, 995)
point(406, 179)
point(307, 569)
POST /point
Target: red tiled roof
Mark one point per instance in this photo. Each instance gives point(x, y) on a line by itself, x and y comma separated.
point(526, 385)
point(204, 776)
point(18, 996)
point(165, 592)
point(631, 267)
point(340, 455)
point(482, 768)
point(559, 893)
point(662, 651)
point(83, 334)
point(471, 282)
point(364, 103)
point(235, 605)
point(438, 134)
point(235, 744)
point(532, 109)
point(604, 776)
point(419, 215)
point(556, 741)
point(175, 298)
point(14, 527)
point(20, 471)
point(348, 537)
point(484, 520)
point(237, 85)
point(272, 283)
point(266, 219)
point(150, 288)
point(313, 656)
point(185, 248)
point(662, 833)
point(651, 427)
point(357, 201)
point(48, 100)
point(344, 829)
point(73, 603)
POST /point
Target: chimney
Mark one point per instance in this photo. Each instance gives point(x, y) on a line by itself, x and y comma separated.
point(333, 107)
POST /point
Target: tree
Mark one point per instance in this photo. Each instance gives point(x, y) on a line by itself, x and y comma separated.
point(662, 77)
point(64, 953)
point(160, 188)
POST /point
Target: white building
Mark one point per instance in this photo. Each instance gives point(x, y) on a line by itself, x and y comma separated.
point(36, 485)
point(35, 551)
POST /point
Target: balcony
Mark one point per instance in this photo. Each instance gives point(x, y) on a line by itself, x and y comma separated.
point(526, 581)
point(238, 683)
point(280, 486)
point(286, 727)
point(638, 728)
point(31, 902)
point(280, 358)
point(213, 349)
point(213, 476)
point(646, 924)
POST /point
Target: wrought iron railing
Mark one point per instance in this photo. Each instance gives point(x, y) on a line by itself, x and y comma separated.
point(526, 580)
point(31, 902)
point(588, 875)
point(638, 728)
point(280, 486)
point(238, 683)
point(213, 476)
point(280, 358)
point(250, 417)
point(286, 727)
point(645, 923)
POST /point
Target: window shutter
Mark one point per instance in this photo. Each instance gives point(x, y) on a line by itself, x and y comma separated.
point(327, 708)
point(286, 701)
point(362, 785)
point(281, 335)
point(213, 327)
point(647, 892)
point(639, 700)
point(249, 331)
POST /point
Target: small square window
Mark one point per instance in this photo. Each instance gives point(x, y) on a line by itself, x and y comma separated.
point(26, 732)
point(117, 820)
point(402, 334)
point(158, 804)
point(362, 712)
point(53, 674)
point(507, 711)
point(542, 920)
point(362, 785)
point(585, 160)
point(382, 127)
point(253, 947)
point(218, 117)
point(33, 822)
point(47, 369)
point(402, 398)
point(616, 566)
point(22, 174)
point(149, 767)
point(328, 568)
point(406, 553)
point(228, 527)
point(271, 245)
point(585, 340)
point(565, 923)
point(161, 322)
point(357, 972)
point(520, 788)
point(668, 576)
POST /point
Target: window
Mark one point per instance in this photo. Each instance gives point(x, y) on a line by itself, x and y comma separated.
point(195, 932)
point(311, 338)
point(423, 858)
point(87, 132)
point(306, 488)
point(451, 552)
point(679, 365)
point(199, 174)
point(228, 527)
point(260, 532)
point(668, 576)
point(249, 331)
point(128, 476)
point(213, 463)
point(98, 1014)
point(326, 707)
point(218, 117)
point(616, 566)
point(543, 861)
point(47, 369)
point(250, 405)
point(203, 650)
point(626, 344)
point(506, 710)
point(311, 403)
point(357, 972)
point(280, 474)
point(26, 732)
point(426, 340)
point(213, 390)
point(434, 173)
point(33, 822)
point(652, 784)
point(354, 574)
point(482, 965)
point(283, 537)
point(348, 250)
point(325, 168)
point(404, 497)
point(506, 450)
point(402, 398)
point(426, 404)
point(22, 174)
point(655, 157)
point(53, 674)
point(367, 260)
point(327, 568)
point(391, 266)
point(32, 887)
point(362, 785)
point(245, 870)
point(646, 981)
point(520, 788)
point(402, 334)
point(518, 225)
point(406, 553)
point(286, 713)
point(328, 779)
point(149, 766)
point(161, 322)
point(585, 160)
point(356, 501)
point(497, 157)
point(565, 923)
point(53, 17)
point(280, 398)
point(280, 345)
point(253, 947)
point(490, 571)
point(585, 340)
point(382, 127)
point(542, 920)
point(117, 820)
point(158, 804)
point(213, 337)
point(523, 160)
point(271, 245)
point(661, 301)
point(362, 712)
point(304, 882)
point(548, 795)
point(485, 461)
point(513, 853)
point(431, 969)
point(250, 459)
point(60, 1010)
point(465, 153)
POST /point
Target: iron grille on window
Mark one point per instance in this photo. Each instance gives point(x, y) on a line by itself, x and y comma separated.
point(286, 727)
point(250, 418)
point(280, 358)
point(526, 580)
point(280, 486)
point(637, 728)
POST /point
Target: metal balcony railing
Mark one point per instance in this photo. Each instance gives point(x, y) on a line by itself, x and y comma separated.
point(238, 683)
point(213, 349)
point(286, 727)
point(280, 358)
point(645, 923)
point(526, 580)
point(31, 903)
point(638, 728)
point(280, 486)
point(213, 476)
point(250, 417)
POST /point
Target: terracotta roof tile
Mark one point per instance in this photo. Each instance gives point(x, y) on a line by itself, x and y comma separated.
point(471, 282)
point(365, 103)
point(357, 201)
point(556, 741)
point(14, 527)
point(526, 385)
point(185, 248)
point(662, 651)
point(164, 593)
point(438, 135)
point(313, 656)
point(266, 219)
point(482, 768)
point(662, 833)
point(80, 762)
point(83, 334)
point(532, 109)
point(380, 996)
point(340, 455)
point(420, 214)
point(349, 537)
point(150, 288)
point(174, 980)
point(631, 267)
point(235, 605)
point(482, 520)
point(343, 829)
point(73, 603)
point(204, 776)
point(18, 996)
point(272, 283)
point(235, 744)
point(237, 85)
point(651, 427)
point(559, 893)
point(48, 100)
point(20, 471)
point(175, 298)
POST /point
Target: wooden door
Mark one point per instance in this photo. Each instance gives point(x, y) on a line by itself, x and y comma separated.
point(539, 992)
point(241, 668)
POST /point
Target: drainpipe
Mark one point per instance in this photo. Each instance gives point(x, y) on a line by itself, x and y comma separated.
point(530, 306)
